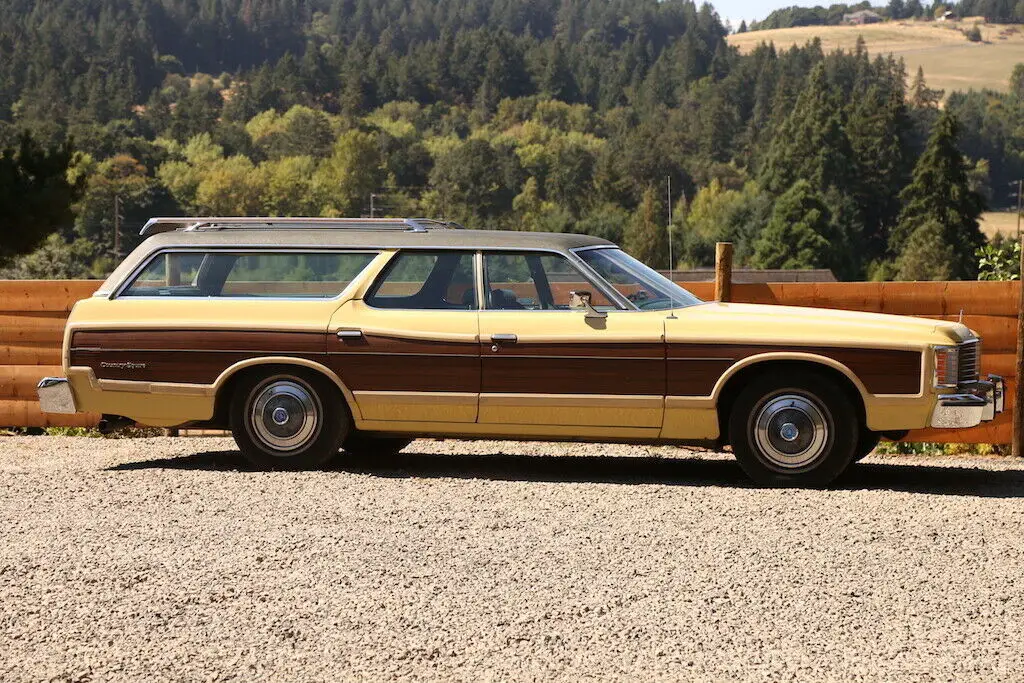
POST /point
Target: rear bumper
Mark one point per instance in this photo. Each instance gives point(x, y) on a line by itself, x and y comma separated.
point(55, 396)
point(972, 404)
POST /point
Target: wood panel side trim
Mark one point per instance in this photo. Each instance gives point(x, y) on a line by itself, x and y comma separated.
point(374, 344)
point(199, 340)
point(695, 369)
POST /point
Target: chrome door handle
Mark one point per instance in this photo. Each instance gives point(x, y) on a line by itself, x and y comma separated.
point(504, 338)
point(350, 334)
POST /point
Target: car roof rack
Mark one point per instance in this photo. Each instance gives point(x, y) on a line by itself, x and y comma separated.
point(157, 225)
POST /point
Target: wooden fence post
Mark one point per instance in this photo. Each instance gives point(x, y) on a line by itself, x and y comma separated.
point(1017, 447)
point(723, 271)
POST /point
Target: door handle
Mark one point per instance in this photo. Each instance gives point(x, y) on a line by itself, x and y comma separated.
point(504, 338)
point(350, 334)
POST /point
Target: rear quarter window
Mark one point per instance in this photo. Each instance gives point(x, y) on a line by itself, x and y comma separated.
point(285, 274)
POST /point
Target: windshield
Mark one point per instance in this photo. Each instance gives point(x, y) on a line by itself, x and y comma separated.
point(648, 289)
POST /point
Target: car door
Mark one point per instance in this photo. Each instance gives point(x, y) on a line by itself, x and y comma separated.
point(409, 348)
point(545, 362)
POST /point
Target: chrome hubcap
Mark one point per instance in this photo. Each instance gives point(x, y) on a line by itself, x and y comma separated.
point(790, 431)
point(285, 414)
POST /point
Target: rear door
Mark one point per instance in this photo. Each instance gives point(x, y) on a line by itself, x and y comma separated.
point(409, 349)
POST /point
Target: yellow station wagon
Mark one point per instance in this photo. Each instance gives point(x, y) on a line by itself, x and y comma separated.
point(306, 336)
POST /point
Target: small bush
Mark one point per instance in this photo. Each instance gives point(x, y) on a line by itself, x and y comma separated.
point(973, 34)
point(953, 449)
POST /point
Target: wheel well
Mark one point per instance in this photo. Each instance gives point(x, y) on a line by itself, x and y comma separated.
point(222, 401)
point(784, 369)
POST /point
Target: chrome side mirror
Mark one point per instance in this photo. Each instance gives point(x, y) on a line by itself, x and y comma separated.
point(581, 299)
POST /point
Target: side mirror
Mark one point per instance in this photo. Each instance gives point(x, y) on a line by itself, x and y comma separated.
point(581, 299)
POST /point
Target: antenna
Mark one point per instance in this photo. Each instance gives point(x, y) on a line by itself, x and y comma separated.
point(671, 261)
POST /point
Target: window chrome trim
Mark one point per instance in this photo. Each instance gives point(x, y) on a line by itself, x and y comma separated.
point(130, 278)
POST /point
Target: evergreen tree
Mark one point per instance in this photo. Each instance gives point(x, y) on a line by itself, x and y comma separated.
point(797, 234)
point(35, 195)
point(558, 82)
point(812, 144)
point(880, 135)
point(646, 237)
point(921, 96)
point(940, 193)
point(1017, 81)
point(927, 255)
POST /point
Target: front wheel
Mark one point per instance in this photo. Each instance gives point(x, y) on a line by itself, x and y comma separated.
point(292, 419)
point(791, 430)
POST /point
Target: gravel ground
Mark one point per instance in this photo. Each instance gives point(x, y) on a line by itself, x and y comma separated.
point(164, 559)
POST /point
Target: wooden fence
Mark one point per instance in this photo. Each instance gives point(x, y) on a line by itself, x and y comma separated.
point(33, 312)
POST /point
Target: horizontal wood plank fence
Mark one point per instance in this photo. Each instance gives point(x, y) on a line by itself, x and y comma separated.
point(33, 313)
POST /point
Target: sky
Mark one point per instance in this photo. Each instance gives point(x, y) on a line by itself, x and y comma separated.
point(738, 10)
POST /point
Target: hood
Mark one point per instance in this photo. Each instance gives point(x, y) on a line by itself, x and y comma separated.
point(800, 325)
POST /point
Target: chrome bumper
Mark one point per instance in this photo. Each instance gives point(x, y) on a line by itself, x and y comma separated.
point(55, 396)
point(972, 404)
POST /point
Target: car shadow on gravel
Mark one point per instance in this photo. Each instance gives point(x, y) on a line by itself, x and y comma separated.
point(911, 478)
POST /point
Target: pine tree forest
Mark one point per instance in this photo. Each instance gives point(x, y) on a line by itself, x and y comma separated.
point(554, 115)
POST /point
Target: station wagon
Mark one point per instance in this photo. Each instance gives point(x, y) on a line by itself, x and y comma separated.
point(311, 337)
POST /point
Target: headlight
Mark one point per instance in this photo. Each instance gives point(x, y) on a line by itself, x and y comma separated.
point(947, 366)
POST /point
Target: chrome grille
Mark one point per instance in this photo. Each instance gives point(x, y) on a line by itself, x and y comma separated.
point(969, 362)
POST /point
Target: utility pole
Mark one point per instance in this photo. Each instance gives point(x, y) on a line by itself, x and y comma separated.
point(117, 227)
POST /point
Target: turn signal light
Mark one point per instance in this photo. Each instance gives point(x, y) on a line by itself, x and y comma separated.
point(947, 367)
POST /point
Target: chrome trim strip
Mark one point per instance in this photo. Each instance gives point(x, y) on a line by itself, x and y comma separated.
point(403, 353)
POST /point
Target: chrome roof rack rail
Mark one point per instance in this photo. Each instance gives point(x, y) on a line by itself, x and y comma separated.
point(157, 225)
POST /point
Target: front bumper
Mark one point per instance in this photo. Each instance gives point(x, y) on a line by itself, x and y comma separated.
point(973, 403)
point(55, 396)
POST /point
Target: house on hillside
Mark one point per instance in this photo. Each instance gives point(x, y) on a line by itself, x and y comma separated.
point(864, 16)
point(946, 16)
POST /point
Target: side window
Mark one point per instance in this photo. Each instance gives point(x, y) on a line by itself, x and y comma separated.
point(168, 274)
point(429, 280)
point(536, 282)
point(317, 275)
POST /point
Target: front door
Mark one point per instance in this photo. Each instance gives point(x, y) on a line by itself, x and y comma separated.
point(547, 363)
point(409, 350)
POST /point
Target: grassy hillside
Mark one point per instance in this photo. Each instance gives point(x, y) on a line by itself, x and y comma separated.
point(950, 61)
point(999, 221)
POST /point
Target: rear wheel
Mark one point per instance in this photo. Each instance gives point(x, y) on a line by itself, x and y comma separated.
point(364, 445)
point(292, 419)
point(793, 430)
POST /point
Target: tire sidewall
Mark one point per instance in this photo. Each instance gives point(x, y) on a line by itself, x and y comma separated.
point(840, 418)
point(333, 422)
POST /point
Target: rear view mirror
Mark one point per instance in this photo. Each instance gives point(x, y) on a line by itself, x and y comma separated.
point(581, 299)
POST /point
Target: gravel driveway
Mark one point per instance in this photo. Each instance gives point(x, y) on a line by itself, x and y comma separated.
point(164, 559)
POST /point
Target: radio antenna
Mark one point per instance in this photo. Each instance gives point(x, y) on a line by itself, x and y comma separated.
point(671, 262)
